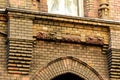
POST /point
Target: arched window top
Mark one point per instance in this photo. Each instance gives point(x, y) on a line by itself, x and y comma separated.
point(66, 7)
point(68, 66)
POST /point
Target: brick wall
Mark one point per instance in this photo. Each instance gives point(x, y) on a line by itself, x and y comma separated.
point(38, 5)
point(2, 57)
point(115, 52)
point(21, 30)
point(19, 27)
point(47, 51)
point(19, 44)
point(15, 46)
point(41, 38)
point(3, 39)
point(23, 4)
point(3, 4)
point(91, 8)
point(63, 28)
point(114, 9)
point(43, 6)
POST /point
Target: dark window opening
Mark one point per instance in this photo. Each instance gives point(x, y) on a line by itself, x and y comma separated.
point(67, 76)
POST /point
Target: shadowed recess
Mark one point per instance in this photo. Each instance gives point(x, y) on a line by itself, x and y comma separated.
point(67, 76)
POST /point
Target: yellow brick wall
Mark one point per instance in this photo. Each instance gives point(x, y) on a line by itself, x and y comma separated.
point(21, 29)
point(46, 51)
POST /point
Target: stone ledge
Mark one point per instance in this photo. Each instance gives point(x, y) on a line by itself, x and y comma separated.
point(45, 15)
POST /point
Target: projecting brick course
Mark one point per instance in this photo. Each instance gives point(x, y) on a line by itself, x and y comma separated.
point(36, 45)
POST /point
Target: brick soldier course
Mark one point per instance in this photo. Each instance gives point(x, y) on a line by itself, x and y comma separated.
point(37, 45)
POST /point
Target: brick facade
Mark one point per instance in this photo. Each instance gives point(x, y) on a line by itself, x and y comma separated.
point(115, 11)
point(36, 45)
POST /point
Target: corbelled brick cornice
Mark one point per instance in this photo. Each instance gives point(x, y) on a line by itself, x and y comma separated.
point(58, 17)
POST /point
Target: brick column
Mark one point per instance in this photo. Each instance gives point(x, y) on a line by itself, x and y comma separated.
point(114, 53)
point(20, 43)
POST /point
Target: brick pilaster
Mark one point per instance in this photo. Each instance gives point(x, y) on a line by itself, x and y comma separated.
point(20, 44)
point(114, 53)
point(114, 63)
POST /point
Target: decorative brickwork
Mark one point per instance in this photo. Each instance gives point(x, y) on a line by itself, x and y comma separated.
point(67, 64)
point(19, 56)
point(114, 53)
point(70, 38)
point(72, 32)
point(114, 63)
point(69, 28)
point(35, 44)
point(103, 11)
point(20, 45)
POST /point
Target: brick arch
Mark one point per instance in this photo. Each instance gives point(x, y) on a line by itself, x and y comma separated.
point(64, 65)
